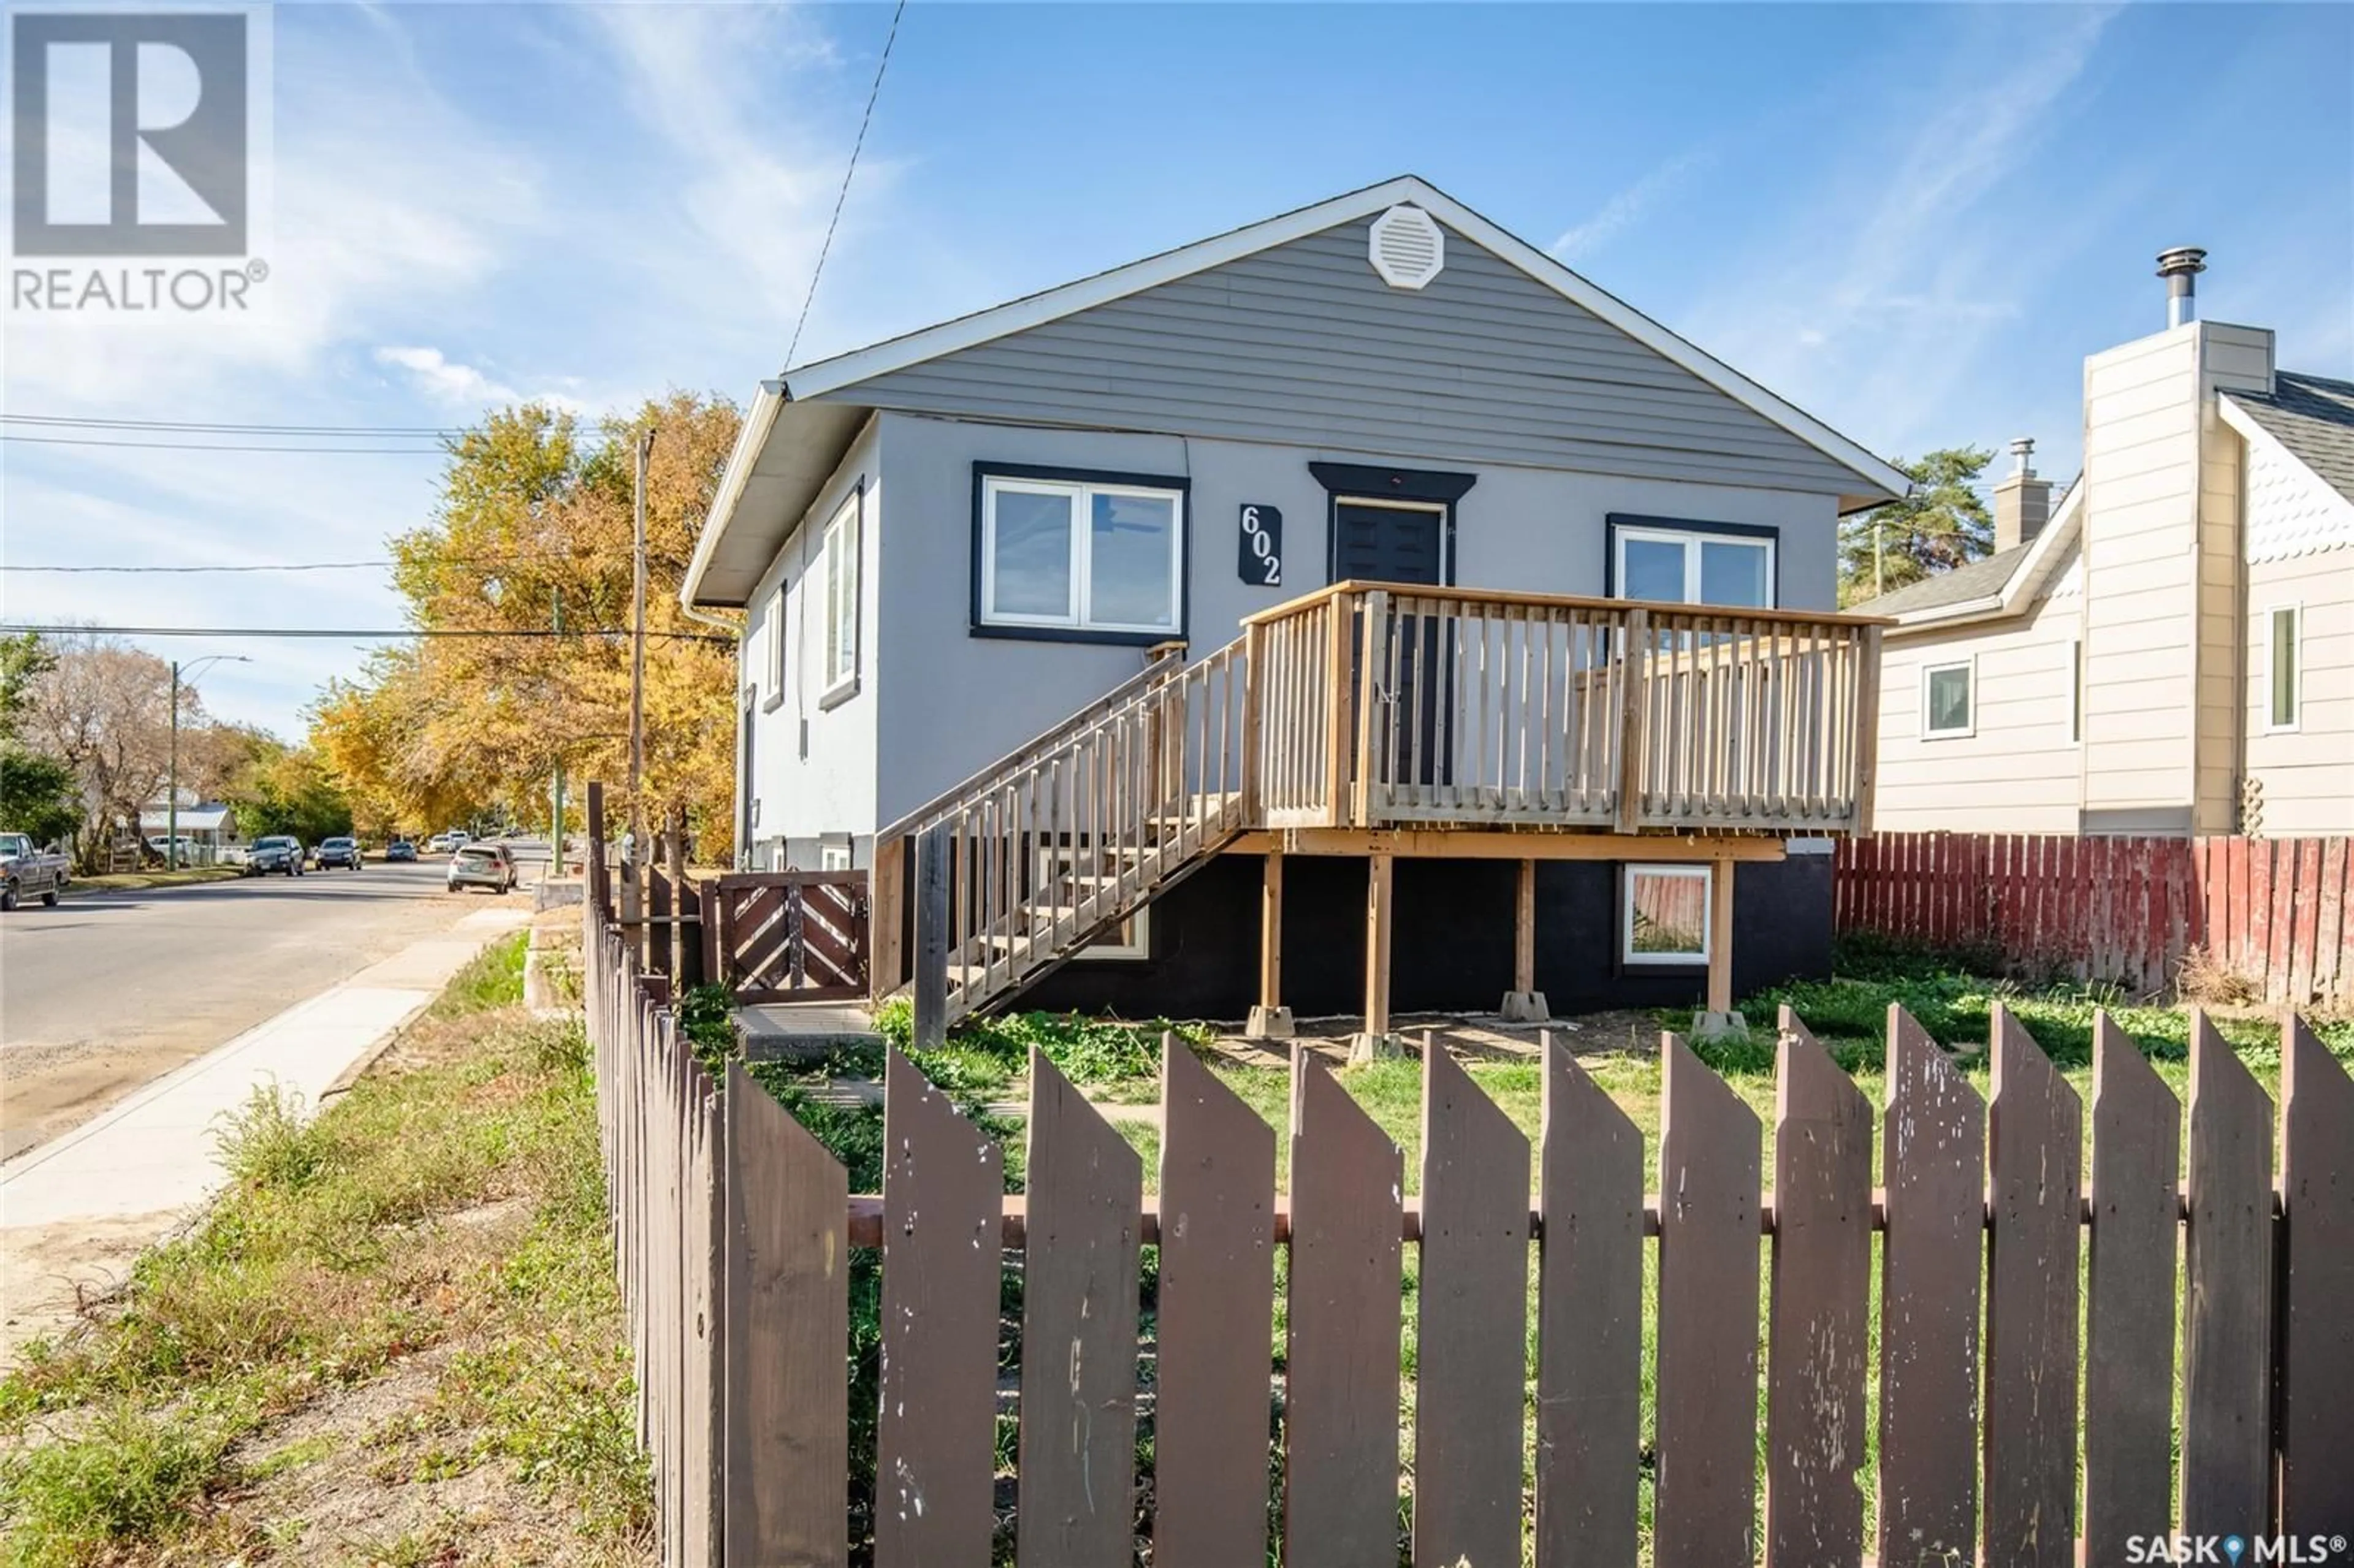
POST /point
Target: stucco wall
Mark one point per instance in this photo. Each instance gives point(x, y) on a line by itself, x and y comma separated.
point(956, 702)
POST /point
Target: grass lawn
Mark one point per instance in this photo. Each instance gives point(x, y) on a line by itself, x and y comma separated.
point(395, 1338)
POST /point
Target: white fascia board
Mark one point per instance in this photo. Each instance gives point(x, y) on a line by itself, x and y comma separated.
point(751, 437)
point(829, 376)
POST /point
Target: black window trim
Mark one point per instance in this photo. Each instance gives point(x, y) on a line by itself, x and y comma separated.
point(983, 470)
point(1346, 481)
point(1614, 520)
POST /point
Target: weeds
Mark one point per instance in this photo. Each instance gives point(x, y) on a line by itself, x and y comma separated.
point(268, 1141)
point(494, 979)
point(454, 1198)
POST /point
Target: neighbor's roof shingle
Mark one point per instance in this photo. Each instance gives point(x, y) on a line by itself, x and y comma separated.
point(1981, 578)
point(2313, 417)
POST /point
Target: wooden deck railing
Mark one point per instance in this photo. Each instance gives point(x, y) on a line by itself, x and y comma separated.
point(1380, 705)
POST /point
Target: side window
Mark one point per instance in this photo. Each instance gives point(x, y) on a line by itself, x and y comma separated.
point(841, 610)
point(1947, 701)
point(2284, 663)
point(1079, 555)
point(779, 631)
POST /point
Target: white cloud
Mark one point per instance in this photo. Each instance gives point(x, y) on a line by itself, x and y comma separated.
point(441, 378)
point(1887, 282)
point(1625, 209)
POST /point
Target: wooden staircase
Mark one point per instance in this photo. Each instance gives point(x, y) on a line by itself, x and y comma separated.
point(1050, 848)
point(1364, 710)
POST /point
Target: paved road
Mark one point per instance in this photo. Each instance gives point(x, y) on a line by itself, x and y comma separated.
point(111, 990)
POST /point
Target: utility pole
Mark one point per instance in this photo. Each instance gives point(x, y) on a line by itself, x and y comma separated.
point(1879, 556)
point(172, 770)
point(632, 886)
point(556, 827)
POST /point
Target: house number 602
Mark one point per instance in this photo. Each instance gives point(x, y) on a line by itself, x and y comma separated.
point(1260, 559)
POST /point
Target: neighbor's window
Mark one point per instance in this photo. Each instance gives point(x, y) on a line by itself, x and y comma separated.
point(1081, 555)
point(1945, 699)
point(834, 857)
point(841, 598)
point(1677, 566)
point(1666, 917)
point(2282, 635)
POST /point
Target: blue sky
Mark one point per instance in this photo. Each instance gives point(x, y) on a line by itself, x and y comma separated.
point(1913, 221)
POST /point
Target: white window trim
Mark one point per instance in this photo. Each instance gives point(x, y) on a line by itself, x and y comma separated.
point(841, 681)
point(2297, 675)
point(1081, 494)
point(833, 856)
point(1702, 874)
point(1970, 667)
point(1692, 539)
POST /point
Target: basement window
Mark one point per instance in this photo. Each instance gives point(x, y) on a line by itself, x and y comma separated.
point(1948, 700)
point(1665, 920)
point(1064, 554)
point(1060, 872)
point(2283, 664)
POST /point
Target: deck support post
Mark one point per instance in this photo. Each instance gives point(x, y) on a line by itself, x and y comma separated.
point(1524, 1004)
point(1271, 1020)
point(1376, 1040)
point(1720, 1018)
point(886, 895)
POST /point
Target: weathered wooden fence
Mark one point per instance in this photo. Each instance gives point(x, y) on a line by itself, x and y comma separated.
point(735, 1227)
point(2274, 912)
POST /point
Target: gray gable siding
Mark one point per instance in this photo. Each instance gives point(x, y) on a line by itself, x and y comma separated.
point(1303, 344)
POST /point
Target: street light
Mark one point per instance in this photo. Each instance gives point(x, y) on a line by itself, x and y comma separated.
point(171, 785)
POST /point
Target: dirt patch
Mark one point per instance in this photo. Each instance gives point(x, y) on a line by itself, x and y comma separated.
point(1474, 1034)
point(54, 1277)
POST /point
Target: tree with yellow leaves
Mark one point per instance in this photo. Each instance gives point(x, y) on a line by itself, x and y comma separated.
point(526, 572)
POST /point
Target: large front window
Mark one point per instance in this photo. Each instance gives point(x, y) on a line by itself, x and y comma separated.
point(1691, 566)
point(1082, 555)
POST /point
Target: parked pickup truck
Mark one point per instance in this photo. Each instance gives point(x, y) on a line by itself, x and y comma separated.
point(26, 872)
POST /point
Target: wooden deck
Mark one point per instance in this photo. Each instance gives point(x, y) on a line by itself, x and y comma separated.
point(1380, 720)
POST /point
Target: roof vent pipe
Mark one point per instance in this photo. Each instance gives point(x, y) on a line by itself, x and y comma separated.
point(2181, 268)
point(2022, 451)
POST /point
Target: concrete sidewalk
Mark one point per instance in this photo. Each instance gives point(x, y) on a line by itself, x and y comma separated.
point(74, 1210)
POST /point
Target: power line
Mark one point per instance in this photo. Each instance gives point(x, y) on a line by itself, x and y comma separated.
point(844, 195)
point(93, 422)
point(222, 447)
point(518, 557)
point(353, 634)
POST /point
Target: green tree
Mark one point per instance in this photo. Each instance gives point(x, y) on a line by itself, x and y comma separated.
point(1944, 524)
point(288, 789)
point(38, 796)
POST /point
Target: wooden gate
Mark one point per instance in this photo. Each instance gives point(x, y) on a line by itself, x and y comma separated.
point(792, 936)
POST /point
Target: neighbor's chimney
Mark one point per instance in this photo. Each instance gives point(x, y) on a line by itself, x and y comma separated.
point(2181, 268)
point(2023, 503)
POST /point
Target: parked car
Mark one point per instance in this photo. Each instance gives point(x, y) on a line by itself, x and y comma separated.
point(279, 853)
point(482, 865)
point(440, 844)
point(400, 850)
point(162, 846)
point(26, 872)
point(338, 851)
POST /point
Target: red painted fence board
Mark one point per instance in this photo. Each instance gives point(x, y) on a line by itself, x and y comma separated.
point(2125, 910)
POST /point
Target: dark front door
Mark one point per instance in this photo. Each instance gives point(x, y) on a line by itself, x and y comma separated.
point(1402, 543)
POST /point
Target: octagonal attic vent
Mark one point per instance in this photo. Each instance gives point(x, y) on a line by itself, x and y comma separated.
point(1407, 247)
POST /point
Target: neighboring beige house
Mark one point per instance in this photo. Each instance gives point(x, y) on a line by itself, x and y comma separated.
point(2168, 650)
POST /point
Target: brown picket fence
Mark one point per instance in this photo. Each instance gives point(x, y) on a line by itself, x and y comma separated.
point(2278, 914)
point(734, 1232)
